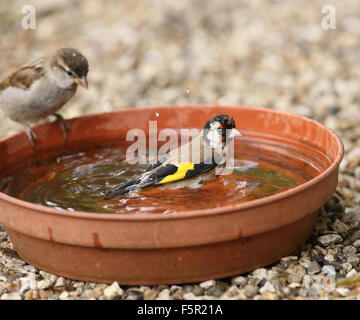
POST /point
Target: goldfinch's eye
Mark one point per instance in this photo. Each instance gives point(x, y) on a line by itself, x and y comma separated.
point(69, 72)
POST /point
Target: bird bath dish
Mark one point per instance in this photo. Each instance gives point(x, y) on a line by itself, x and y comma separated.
point(77, 181)
point(285, 169)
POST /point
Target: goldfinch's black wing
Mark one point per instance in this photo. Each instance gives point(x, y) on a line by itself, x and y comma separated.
point(156, 164)
point(122, 186)
point(164, 174)
point(135, 181)
point(145, 181)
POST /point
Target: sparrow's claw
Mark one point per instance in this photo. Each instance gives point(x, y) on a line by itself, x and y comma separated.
point(64, 125)
point(31, 135)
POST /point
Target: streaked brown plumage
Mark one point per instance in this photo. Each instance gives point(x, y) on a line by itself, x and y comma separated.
point(42, 87)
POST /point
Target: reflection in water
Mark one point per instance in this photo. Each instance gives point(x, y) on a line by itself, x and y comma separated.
point(75, 182)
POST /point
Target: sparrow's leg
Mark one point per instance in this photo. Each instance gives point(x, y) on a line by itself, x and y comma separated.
point(31, 134)
point(64, 125)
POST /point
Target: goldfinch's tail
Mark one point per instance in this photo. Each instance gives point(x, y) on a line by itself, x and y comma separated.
point(122, 189)
point(150, 179)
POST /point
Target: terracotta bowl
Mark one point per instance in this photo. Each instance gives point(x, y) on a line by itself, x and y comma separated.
point(185, 246)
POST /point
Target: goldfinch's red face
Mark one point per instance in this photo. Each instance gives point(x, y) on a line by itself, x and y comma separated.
point(220, 130)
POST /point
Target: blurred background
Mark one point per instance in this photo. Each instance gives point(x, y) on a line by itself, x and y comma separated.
point(273, 54)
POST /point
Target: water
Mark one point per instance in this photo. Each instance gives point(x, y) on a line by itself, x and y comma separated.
point(76, 181)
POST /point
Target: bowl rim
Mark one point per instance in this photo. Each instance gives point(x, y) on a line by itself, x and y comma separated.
point(191, 213)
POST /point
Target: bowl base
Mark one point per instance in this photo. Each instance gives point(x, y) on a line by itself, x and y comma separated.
point(166, 265)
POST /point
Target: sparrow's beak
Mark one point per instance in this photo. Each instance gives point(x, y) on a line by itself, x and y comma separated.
point(81, 82)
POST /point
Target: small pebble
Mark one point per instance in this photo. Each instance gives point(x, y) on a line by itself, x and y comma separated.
point(189, 296)
point(250, 290)
point(330, 256)
point(60, 282)
point(329, 270)
point(174, 288)
point(207, 284)
point(164, 295)
point(150, 294)
point(29, 268)
point(231, 292)
point(259, 273)
point(351, 273)
point(198, 291)
point(267, 287)
point(134, 294)
point(356, 243)
point(44, 284)
point(320, 250)
point(269, 295)
point(239, 280)
point(31, 295)
point(349, 250)
point(329, 239)
point(304, 262)
point(215, 291)
point(340, 227)
point(287, 259)
point(353, 260)
point(346, 267)
point(296, 272)
point(11, 296)
point(64, 295)
point(344, 292)
point(313, 268)
point(45, 275)
point(294, 285)
point(78, 284)
point(355, 236)
point(113, 291)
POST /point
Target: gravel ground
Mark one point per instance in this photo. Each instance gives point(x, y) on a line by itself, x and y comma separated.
point(273, 54)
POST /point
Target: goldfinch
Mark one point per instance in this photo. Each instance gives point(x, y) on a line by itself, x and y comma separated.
point(42, 87)
point(189, 165)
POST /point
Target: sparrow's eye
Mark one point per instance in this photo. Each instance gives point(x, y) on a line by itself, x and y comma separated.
point(69, 72)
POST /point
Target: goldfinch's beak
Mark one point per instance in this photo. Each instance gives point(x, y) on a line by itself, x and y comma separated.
point(235, 133)
point(81, 82)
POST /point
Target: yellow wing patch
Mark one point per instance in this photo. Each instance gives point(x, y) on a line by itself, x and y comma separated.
point(179, 174)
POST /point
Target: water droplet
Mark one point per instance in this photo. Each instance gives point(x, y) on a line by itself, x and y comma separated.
point(157, 114)
point(187, 91)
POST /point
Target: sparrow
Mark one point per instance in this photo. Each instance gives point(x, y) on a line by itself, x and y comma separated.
point(42, 87)
point(189, 165)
